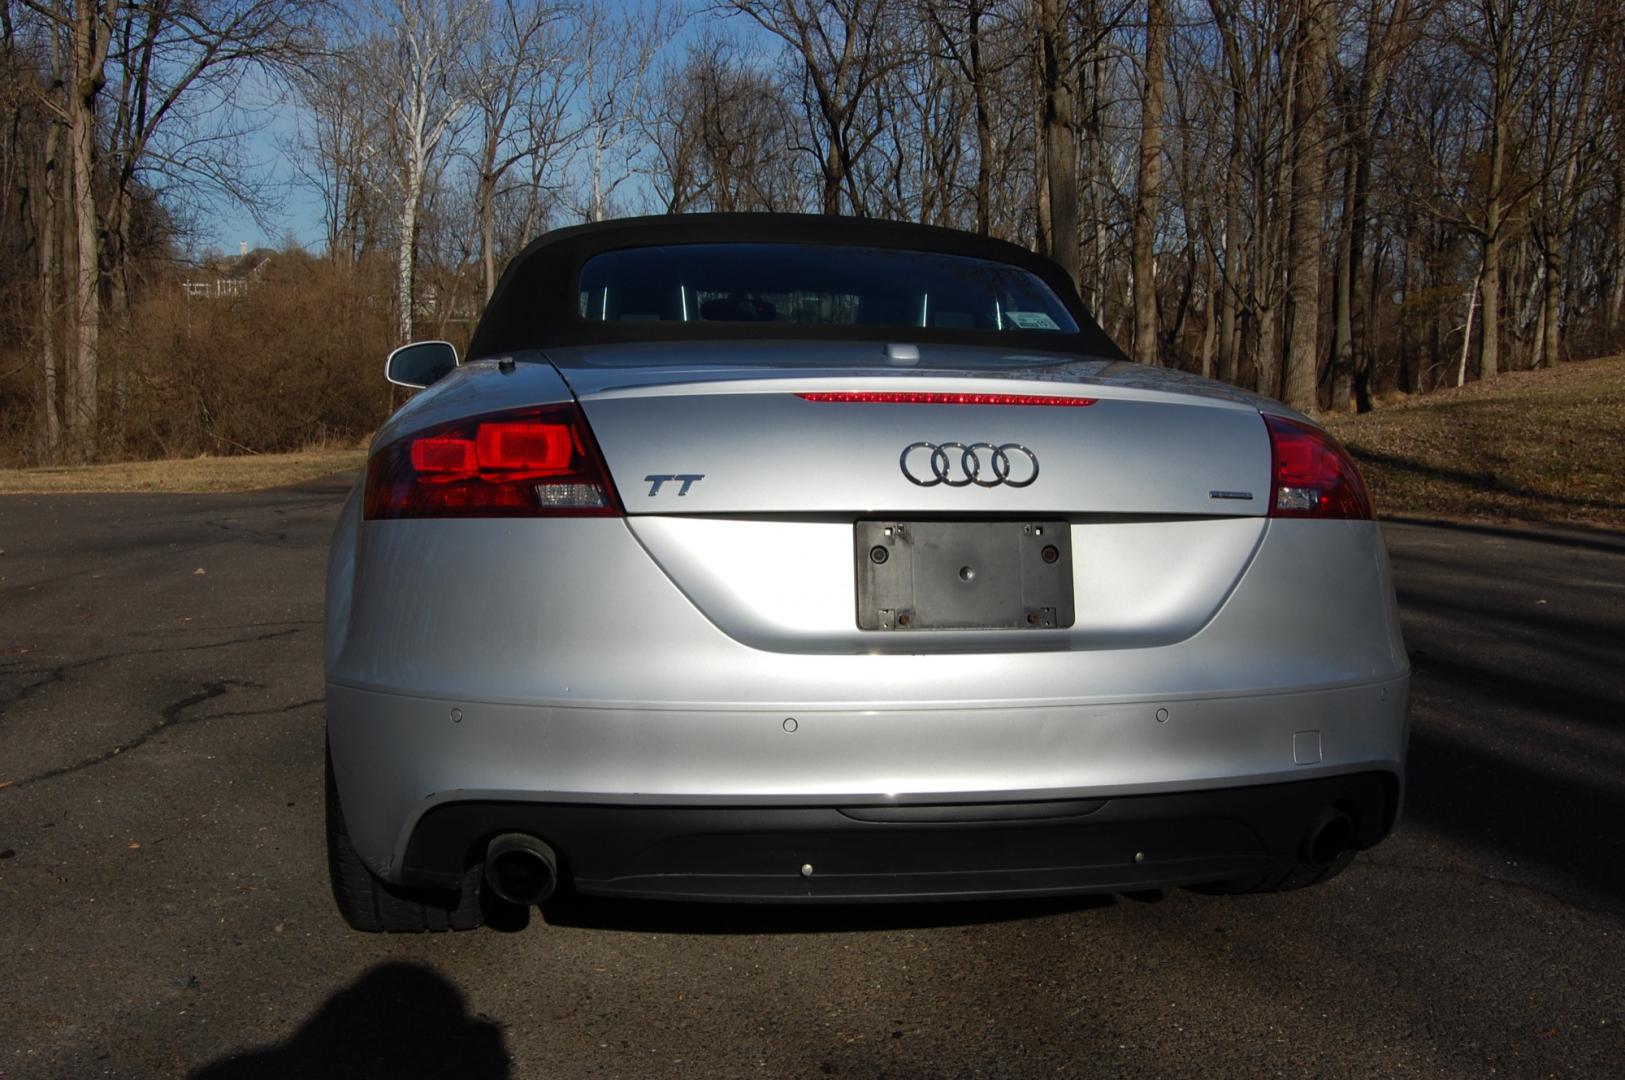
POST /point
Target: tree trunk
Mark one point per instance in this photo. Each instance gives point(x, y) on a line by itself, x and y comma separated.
point(1041, 159)
point(1364, 286)
point(1060, 136)
point(1552, 303)
point(834, 179)
point(1230, 287)
point(984, 128)
point(1467, 331)
point(1406, 377)
point(89, 41)
point(485, 199)
point(1266, 363)
point(116, 317)
point(47, 224)
point(406, 259)
point(1148, 186)
point(1261, 282)
point(1210, 325)
point(1095, 152)
point(1616, 296)
point(1343, 297)
point(1489, 350)
point(1308, 185)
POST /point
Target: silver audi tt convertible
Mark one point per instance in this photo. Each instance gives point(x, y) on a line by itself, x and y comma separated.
point(798, 559)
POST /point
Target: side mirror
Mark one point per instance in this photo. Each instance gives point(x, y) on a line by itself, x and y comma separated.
point(421, 363)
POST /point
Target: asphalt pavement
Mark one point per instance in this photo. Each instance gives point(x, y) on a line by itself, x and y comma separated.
point(164, 908)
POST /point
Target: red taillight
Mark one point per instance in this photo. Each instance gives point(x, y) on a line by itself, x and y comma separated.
point(530, 446)
point(1311, 475)
point(529, 463)
point(444, 454)
point(912, 397)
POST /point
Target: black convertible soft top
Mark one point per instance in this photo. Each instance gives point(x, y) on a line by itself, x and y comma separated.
point(536, 304)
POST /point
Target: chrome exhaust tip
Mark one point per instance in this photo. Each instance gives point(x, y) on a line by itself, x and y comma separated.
point(1328, 838)
point(521, 869)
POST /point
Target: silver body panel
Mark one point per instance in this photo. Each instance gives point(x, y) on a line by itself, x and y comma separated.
point(655, 658)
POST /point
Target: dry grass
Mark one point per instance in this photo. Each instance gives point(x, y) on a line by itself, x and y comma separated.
point(1533, 446)
point(251, 472)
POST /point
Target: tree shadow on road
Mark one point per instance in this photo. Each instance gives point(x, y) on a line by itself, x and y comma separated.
point(1517, 742)
point(400, 1021)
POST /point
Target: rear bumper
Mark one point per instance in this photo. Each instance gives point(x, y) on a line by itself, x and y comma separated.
point(400, 761)
point(807, 854)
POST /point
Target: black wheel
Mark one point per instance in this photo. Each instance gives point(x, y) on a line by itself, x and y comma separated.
point(374, 905)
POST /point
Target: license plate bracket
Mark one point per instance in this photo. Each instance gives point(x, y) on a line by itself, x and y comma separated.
point(963, 575)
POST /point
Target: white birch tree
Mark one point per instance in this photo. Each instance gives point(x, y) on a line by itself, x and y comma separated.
point(426, 85)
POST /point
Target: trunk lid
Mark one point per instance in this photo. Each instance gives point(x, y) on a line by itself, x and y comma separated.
point(753, 499)
point(713, 429)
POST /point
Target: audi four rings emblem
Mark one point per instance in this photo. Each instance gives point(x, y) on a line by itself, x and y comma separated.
point(958, 464)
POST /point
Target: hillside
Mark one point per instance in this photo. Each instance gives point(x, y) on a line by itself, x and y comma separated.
point(1532, 446)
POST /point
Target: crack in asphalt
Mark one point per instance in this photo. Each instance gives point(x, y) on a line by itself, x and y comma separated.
point(52, 675)
point(295, 707)
point(171, 716)
point(325, 504)
point(59, 672)
point(175, 631)
point(225, 525)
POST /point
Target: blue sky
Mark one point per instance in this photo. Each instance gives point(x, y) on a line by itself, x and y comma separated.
point(294, 208)
point(290, 207)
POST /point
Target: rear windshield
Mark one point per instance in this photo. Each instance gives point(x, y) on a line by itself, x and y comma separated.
point(818, 284)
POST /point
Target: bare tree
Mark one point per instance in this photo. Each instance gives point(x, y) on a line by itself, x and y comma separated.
point(340, 151)
point(518, 88)
point(842, 48)
point(1308, 154)
point(724, 134)
point(1614, 94)
point(617, 50)
point(1386, 27)
point(1502, 39)
point(1566, 113)
point(90, 35)
point(1148, 186)
point(42, 199)
point(1057, 149)
point(962, 29)
point(419, 62)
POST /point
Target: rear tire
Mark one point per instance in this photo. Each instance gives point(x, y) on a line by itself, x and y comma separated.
point(371, 904)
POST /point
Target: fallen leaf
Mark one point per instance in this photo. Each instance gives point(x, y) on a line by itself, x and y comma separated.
point(6, 783)
point(134, 845)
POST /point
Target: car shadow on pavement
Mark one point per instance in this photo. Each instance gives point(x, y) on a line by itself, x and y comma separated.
point(398, 1020)
point(675, 917)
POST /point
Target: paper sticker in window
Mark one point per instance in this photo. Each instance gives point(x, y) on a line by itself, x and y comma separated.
point(1030, 320)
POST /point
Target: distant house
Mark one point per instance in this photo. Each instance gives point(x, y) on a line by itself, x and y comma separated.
point(434, 300)
point(231, 278)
